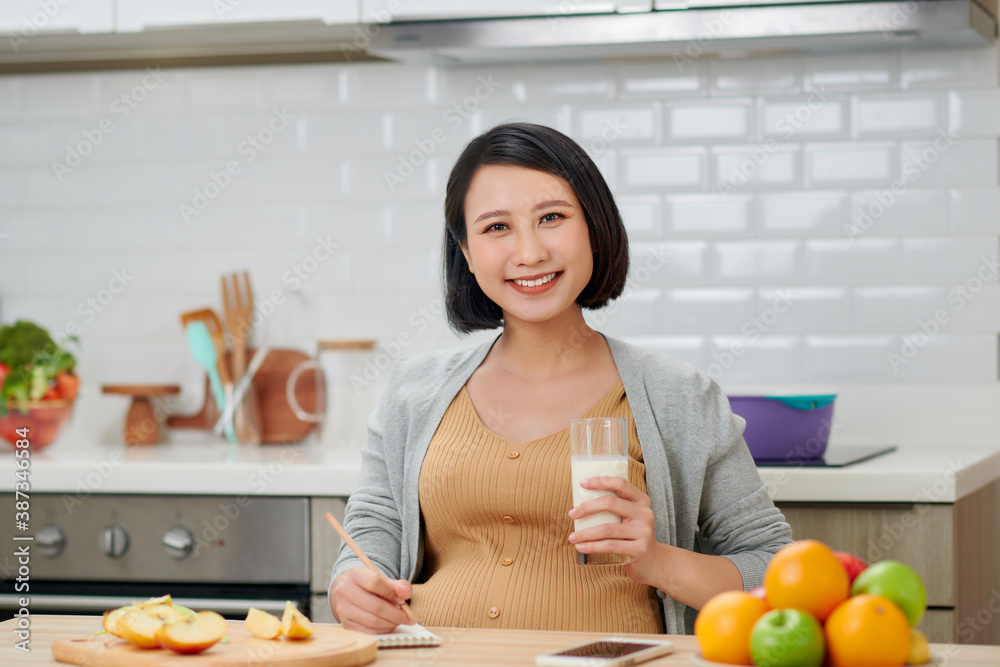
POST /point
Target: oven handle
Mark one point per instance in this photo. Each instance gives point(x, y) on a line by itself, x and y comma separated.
point(102, 603)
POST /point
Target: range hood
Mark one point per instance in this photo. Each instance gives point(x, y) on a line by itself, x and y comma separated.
point(746, 28)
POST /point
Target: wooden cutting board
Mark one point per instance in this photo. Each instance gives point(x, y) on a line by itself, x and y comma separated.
point(329, 647)
point(278, 421)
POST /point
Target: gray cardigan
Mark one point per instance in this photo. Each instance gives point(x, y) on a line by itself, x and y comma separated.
point(705, 490)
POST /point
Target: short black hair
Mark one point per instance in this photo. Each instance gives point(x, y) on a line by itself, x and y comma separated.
point(542, 149)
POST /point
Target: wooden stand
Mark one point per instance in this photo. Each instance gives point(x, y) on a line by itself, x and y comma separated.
point(141, 426)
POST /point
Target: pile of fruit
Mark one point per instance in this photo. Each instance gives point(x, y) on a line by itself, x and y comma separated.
point(819, 607)
point(159, 623)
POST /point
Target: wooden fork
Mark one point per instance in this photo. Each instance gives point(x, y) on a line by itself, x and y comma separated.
point(237, 308)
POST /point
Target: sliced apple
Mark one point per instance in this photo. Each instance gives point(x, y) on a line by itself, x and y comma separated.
point(111, 618)
point(187, 611)
point(139, 628)
point(193, 634)
point(152, 602)
point(262, 624)
point(294, 623)
point(165, 612)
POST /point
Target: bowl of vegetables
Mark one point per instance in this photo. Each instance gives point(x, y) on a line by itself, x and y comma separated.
point(37, 385)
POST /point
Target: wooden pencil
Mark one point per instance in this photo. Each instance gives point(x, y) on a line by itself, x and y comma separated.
point(364, 559)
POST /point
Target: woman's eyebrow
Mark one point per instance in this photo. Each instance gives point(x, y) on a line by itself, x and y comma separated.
point(492, 214)
point(538, 207)
point(550, 203)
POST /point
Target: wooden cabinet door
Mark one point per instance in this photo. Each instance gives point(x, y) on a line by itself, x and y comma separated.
point(920, 535)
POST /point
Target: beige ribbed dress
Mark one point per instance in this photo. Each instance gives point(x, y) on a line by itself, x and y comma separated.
point(496, 548)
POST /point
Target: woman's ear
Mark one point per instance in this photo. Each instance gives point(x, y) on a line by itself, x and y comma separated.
point(468, 258)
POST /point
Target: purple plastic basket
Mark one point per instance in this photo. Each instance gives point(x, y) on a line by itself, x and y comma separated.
point(785, 428)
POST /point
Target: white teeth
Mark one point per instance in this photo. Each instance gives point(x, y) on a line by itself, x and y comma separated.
point(536, 283)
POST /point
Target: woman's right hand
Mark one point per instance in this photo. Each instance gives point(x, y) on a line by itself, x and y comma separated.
point(363, 601)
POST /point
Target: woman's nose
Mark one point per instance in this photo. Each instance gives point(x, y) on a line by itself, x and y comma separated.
point(529, 249)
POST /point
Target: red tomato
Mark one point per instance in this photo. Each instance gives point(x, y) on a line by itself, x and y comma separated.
point(68, 384)
point(52, 394)
point(4, 372)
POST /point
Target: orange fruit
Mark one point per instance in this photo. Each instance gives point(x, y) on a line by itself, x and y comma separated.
point(806, 575)
point(868, 631)
point(724, 625)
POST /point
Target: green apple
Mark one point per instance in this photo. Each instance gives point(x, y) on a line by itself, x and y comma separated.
point(894, 580)
point(787, 638)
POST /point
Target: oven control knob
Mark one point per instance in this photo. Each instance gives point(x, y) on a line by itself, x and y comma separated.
point(114, 541)
point(50, 541)
point(178, 542)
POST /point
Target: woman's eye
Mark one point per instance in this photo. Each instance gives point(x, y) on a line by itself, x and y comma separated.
point(551, 217)
point(496, 226)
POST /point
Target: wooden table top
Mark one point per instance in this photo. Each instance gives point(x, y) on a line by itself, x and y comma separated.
point(460, 646)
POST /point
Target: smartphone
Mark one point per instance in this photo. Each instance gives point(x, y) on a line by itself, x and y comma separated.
point(607, 652)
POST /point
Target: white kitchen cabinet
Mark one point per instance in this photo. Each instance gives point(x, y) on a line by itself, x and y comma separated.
point(30, 17)
point(386, 11)
point(137, 15)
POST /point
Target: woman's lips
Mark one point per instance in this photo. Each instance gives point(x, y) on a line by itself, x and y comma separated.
point(536, 289)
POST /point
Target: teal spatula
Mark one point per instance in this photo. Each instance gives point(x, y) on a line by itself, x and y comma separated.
point(203, 351)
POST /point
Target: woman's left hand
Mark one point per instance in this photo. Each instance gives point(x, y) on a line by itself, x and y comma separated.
point(634, 537)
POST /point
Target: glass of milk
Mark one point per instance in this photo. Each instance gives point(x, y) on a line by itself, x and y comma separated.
point(599, 448)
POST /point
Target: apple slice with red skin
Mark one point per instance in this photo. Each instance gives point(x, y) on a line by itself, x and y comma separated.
point(138, 627)
point(193, 634)
point(111, 618)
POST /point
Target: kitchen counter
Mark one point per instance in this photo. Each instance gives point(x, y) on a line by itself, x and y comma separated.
point(191, 465)
point(907, 475)
point(459, 646)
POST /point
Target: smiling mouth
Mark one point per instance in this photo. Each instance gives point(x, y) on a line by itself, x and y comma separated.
point(537, 282)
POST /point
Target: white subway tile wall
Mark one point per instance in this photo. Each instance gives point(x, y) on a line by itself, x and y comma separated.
point(817, 219)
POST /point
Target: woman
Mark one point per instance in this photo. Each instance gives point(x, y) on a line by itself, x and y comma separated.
point(465, 485)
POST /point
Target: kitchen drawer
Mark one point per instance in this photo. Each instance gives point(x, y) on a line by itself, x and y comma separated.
point(938, 625)
point(920, 535)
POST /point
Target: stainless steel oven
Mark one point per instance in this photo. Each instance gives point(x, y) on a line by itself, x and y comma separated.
point(87, 555)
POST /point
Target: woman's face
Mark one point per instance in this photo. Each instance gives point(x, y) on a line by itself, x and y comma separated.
point(527, 243)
